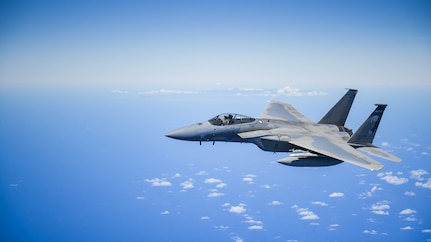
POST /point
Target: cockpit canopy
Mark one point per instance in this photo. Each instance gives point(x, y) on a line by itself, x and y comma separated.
point(229, 119)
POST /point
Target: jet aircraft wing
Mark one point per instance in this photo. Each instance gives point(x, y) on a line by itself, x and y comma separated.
point(283, 111)
point(336, 149)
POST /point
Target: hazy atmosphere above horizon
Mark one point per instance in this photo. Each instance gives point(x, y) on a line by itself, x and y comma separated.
point(215, 44)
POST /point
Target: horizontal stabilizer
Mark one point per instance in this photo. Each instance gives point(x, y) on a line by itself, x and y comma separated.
point(376, 151)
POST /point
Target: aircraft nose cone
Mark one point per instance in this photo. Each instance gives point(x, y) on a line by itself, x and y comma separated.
point(182, 133)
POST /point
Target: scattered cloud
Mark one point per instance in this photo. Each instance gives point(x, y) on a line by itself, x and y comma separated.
point(336, 194)
point(225, 205)
point(410, 193)
point(406, 228)
point(215, 194)
point(221, 227)
point(417, 174)
point(370, 193)
point(319, 203)
point(333, 227)
point(392, 179)
point(238, 209)
point(159, 182)
point(277, 92)
point(373, 232)
point(187, 184)
point(177, 175)
point(212, 180)
point(167, 92)
point(380, 208)
point(426, 231)
point(165, 212)
point(116, 91)
point(249, 178)
point(424, 185)
point(140, 198)
point(205, 218)
point(407, 211)
point(221, 185)
point(275, 203)
point(293, 91)
point(255, 227)
point(305, 213)
point(252, 221)
point(266, 186)
point(409, 214)
point(202, 173)
point(237, 239)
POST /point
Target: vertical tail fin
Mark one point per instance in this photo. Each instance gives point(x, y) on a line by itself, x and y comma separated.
point(365, 134)
point(338, 113)
point(363, 138)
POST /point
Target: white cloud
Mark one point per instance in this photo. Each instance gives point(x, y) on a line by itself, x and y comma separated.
point(319, 203)
point(252, 221)
point(410, 193)
point(373, 232)
point(336, 194)
point(238, 209)
point(426, 231)
point(391, 179)
point(157, 182)
point(370, 193)
point(140, 198)
point(380, 208)
point(187, 184)
point(221, 227)
point(177, 175)
point(275, 203)
point(417, 174)
point(212, 180)
point(266, 186)
point(255, 227)
point(293, 91)
point(424, 185)
point(408, 211)
point(406, 228)
point(410, 219)
point(333, 227)
point(225, 205)
point(119, 91)
point(380, 212)
point(305, 213)
point(167, 92)
point(202, 173)
point(238, 239)
point(165, 212)
point(284, 91)
point(248, 179)
point(205, 218)
point(221, 185)
point(215, 194)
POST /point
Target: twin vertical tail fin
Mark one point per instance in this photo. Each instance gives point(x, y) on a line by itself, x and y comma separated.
point(338, 113)
point(363, 138)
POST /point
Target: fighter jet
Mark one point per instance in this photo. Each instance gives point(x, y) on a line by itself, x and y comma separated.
point(281, 128)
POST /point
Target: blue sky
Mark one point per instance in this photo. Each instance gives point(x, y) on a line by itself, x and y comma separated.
point(89, 88)
point(213, 44)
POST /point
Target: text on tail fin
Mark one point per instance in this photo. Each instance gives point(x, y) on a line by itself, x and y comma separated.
point(365, 134)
